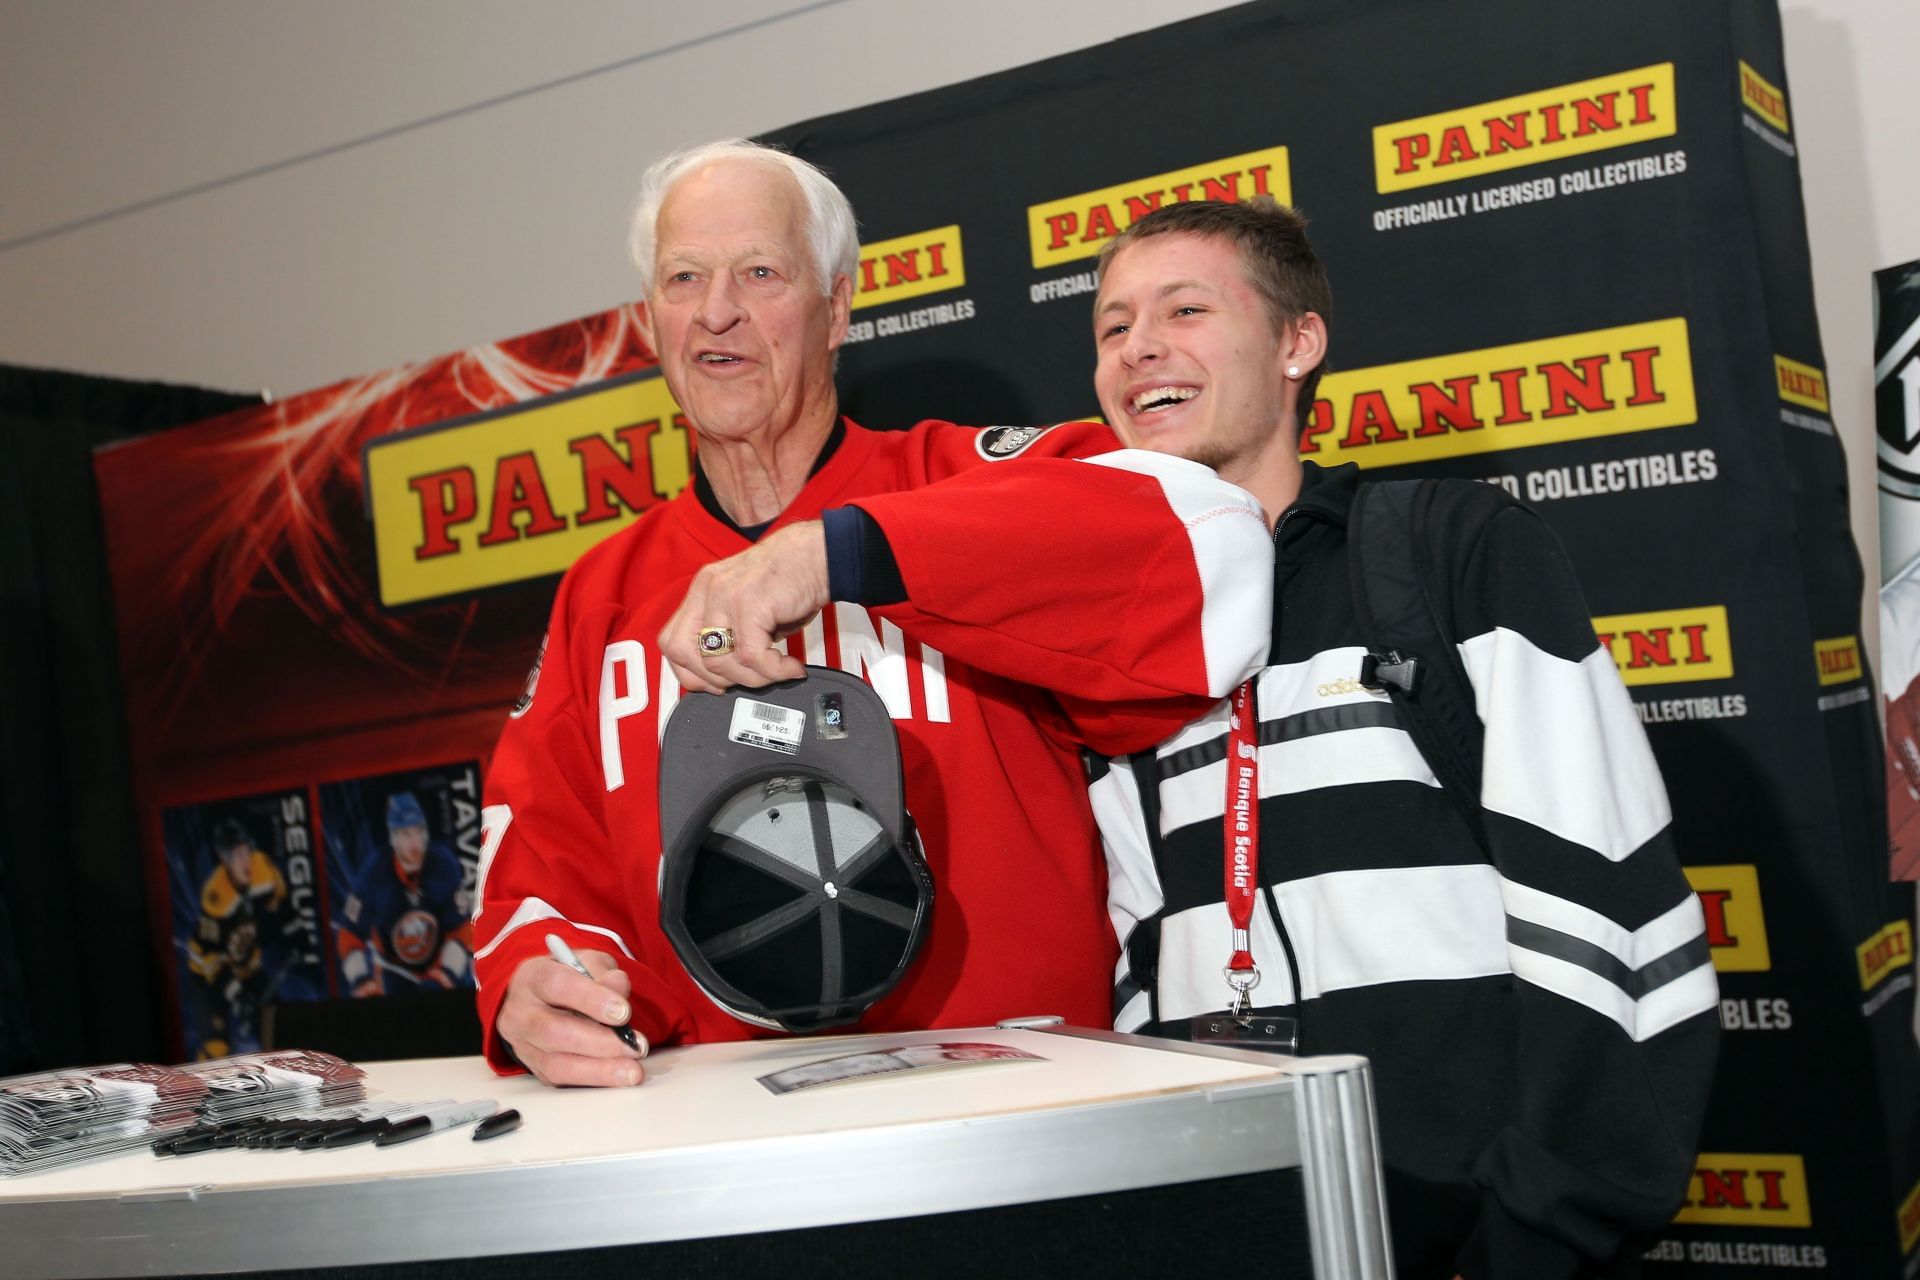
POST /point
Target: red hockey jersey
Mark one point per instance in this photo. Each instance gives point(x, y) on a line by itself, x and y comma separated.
point(1078, 595)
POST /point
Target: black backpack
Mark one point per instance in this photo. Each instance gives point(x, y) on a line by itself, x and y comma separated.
point(1401, 594)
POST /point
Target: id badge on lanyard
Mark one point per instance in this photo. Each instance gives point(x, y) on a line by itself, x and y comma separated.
point(1239, 1025)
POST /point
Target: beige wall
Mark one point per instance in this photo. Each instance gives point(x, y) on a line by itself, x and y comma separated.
point(293, 193)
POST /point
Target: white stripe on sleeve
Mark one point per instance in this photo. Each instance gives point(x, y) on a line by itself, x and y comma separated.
point(1232, 550)
point(1565, 750)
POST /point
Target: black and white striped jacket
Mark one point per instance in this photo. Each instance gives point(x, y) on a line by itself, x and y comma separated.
point(1539, 1011)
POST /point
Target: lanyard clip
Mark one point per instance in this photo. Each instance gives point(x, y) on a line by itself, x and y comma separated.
point(1243, 981)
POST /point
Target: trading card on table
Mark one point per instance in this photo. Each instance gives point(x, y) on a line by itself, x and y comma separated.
point(243, 877)
point(260, 1083)
point(887, 1062)
point(403, 852)
point(56, 1118)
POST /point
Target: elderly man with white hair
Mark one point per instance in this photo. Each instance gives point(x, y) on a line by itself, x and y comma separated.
point(968, 575)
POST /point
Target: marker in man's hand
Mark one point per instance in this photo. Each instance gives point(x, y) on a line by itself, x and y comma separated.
point(557, 948)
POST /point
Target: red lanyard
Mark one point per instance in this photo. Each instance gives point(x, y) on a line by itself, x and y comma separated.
point(1241, 830)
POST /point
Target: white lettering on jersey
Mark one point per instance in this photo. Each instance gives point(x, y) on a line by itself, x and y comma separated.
point(813, 640)
point(494, 821)
point(933, 675)
point(884, 657)
point(626, 659)
point(669, 699)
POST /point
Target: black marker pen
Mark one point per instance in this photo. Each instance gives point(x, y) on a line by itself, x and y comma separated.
point(496, 1124)
point(434, 1119)
point(557, 948)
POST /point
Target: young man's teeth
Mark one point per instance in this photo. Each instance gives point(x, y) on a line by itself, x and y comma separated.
point(1162, 397)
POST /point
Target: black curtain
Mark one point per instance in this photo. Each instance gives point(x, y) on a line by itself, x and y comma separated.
point(79, 982)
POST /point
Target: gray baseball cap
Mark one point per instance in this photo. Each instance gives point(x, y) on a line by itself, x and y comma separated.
point(792, 882)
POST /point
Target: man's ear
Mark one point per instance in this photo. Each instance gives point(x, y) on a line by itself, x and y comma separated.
point(840, 299)
point(643, 320)
point(1305, 345)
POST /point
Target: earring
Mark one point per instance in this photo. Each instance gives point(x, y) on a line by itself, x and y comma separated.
point(1293, 371)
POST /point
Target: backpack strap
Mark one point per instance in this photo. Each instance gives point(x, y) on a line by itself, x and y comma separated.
point(1396, 590)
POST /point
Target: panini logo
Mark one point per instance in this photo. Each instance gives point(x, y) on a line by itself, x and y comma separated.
point(909, 267)
point(1742, 1190)
point(1885, 951)
point(1838, 659)
point(1532, 128)
point(1078, 226)
point(1736, 923)
point(1634, 378)
point(1800, 384)
point(1910, 1220)
point(1668, 647)
point(521, 492)
point(1768, 100)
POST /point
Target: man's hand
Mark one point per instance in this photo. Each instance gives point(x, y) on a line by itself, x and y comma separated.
point(762, 595)
point(559, 1024)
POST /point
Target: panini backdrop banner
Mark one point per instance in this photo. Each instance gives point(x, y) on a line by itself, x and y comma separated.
point(1569, 258)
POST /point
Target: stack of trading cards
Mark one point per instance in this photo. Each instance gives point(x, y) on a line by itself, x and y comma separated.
point(276, 1082)
point(57, 1118)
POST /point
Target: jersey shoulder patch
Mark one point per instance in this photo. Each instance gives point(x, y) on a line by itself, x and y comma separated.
point(996, 444)
point(525, 701)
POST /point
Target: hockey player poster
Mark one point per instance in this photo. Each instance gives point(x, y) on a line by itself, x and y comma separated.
point(1896, 402)
point(402, 851)
point(258, 653)
point(245, 910)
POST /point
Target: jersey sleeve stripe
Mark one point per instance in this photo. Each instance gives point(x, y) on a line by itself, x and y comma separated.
point(1694, 991)
point(1340, 759)
point(1404, 924)
point(1569, 755)
point(1636, 983)
point(534, 910)
point(1633, 948)
point(1226, 530)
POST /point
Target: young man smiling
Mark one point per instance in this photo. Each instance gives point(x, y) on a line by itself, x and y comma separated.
point(1536, 996)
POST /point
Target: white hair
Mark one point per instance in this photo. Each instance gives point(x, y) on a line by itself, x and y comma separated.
point(831, 233)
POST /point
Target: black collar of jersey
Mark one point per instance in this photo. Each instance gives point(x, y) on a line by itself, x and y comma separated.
point(704, 490)
point(1326, 493)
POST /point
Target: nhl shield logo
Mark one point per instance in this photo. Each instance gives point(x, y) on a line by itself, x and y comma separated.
point(997, 443)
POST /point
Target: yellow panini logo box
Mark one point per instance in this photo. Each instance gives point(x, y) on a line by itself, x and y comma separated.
point(1580, 386)
point(909, 267)
point(1800, 384)
point(1885, 951)
point(520, 492)
point(1767, 99)
point(1076, 227)
point(1737, 1189)
point(1838, 660)
point(1530, 128)
point(1736, 922)
point(1669, 646)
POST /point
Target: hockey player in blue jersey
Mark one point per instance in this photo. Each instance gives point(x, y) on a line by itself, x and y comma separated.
point(403, 928)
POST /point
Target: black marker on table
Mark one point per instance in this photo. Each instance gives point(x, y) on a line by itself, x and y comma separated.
point(434, 1119)
point(496, 1124)
point(557, 948)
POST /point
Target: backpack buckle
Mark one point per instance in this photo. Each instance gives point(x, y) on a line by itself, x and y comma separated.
point(1400, 670)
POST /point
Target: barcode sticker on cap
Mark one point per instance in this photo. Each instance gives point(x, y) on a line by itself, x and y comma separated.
point(761, 724)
